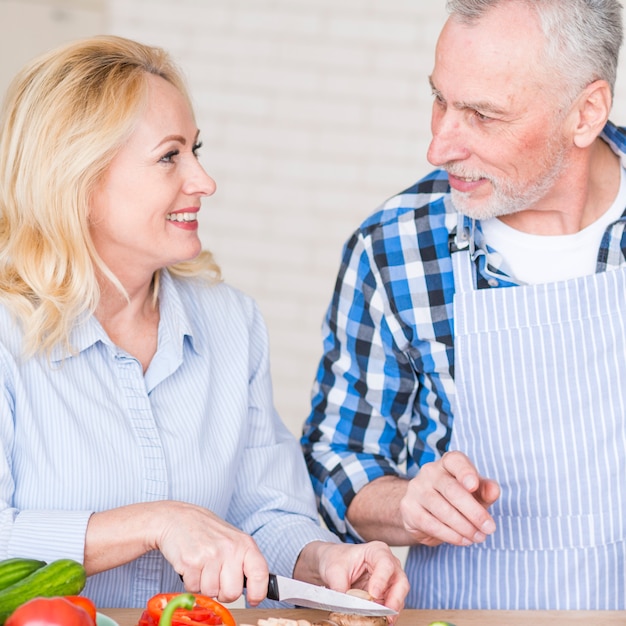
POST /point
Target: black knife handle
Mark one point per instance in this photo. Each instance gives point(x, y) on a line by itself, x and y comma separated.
point(272, 587)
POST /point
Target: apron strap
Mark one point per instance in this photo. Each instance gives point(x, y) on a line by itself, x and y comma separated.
point(461, 246)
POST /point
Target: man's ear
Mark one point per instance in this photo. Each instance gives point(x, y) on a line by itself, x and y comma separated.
point(590, 112)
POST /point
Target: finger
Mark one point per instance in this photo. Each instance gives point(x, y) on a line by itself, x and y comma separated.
point(388, 584)
point(488, 492)
point(257, 577)
point(383, 567)
point(191, 580)
point(396, 593)
point(444, 511)
point(256, 589)
point(455, 530)
point(231, 582)
point(210, 580)
point(470, 520)
point(460, 510)
point(378, 583)
point(469, 493)
point(343, 575)
point(458, 465)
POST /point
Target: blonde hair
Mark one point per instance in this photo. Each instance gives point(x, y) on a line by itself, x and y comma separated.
point(65, 116)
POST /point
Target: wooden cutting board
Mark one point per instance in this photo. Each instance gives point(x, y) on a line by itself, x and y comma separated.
point(411, 617)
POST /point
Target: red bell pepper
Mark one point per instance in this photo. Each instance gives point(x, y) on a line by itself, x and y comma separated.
point(185, 609)
point(55, 611)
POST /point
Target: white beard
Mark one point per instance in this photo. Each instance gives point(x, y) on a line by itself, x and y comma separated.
point(511, 196)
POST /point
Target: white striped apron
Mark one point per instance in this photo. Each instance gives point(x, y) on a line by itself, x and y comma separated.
point(540, 373)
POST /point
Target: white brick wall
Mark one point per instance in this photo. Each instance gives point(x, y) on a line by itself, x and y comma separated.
point(29, 27)
point(312, 113)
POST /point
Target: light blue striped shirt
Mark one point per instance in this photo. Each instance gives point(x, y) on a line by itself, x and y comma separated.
point(91, 432)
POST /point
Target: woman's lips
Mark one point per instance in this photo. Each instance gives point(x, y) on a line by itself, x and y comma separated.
point(185, 219)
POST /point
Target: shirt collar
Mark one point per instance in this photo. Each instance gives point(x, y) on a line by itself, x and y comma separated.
point(174, 326)
point(616, 139)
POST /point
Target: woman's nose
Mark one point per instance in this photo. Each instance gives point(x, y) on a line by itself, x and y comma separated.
point(199, 182)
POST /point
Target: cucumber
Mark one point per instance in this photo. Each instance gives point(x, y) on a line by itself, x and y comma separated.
point(13, 570)
point(64, 577)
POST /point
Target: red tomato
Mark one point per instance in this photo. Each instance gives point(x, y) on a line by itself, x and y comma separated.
point(205, 611)
point(49, 612)
point(84, 603)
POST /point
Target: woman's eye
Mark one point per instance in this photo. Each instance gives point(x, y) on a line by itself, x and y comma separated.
point(169, 157)
point(196, 147)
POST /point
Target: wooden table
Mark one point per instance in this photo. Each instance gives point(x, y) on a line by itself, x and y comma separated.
point(411, 617)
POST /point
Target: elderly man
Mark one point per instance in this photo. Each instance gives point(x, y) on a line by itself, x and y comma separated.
point(470, 400)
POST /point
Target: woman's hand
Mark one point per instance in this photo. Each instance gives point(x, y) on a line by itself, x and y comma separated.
point(368, 566)
point(211, 556)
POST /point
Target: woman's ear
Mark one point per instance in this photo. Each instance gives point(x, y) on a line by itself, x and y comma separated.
point(591, 112)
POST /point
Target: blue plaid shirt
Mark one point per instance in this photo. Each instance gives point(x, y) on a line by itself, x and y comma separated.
point(381, 402)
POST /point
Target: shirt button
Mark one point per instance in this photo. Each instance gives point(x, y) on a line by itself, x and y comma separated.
point(493, 282)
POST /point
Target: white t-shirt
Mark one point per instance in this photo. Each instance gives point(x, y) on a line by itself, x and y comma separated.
point(547, 258)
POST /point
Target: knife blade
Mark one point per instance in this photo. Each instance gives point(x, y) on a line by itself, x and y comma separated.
point(315, 597)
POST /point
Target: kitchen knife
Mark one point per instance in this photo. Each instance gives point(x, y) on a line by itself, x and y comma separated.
point(315, 597)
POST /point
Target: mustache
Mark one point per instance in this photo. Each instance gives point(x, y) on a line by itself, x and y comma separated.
point(461, 171)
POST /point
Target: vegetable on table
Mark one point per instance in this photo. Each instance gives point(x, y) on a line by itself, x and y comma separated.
point(12, 570)
point(49, 612)
point(84, 603)
point(63, 577)
point(185, 609)
point(182, 601)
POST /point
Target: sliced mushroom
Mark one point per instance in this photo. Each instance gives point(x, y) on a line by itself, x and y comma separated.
point(351, 619)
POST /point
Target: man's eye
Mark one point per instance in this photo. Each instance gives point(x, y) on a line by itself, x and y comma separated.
point(439, 102)
point(481, 116)
point(169, 157)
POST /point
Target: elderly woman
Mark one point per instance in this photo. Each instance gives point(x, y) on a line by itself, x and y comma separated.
point(136, 417)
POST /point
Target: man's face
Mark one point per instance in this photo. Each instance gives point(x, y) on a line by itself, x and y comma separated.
point(496, 123)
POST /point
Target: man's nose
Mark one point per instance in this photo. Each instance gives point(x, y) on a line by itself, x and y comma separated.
point(449, 139)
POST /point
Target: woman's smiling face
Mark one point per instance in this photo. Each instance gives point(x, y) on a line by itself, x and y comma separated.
point(143, 216)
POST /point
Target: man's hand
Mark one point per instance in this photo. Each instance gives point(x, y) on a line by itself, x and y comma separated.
point(447, 502)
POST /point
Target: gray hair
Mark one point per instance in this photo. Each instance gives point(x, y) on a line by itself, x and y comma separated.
point(583, 37)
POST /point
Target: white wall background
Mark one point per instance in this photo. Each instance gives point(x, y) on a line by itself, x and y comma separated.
point(312, 113)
